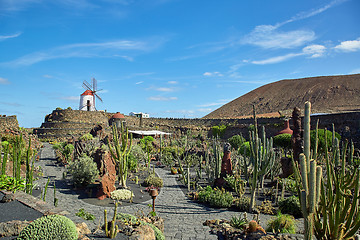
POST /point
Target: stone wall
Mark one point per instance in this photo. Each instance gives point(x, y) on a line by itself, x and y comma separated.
point(8, 123)
point(234, 126)
point(346, 124)
point(67, 123)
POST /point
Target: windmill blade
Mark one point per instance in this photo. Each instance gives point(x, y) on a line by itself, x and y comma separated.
point(98, 97)
point(86, 85)
point(94, 82)
point(99, 90)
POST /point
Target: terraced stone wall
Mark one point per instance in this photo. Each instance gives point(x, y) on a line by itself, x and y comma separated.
point(9, 123)
point(78, 116)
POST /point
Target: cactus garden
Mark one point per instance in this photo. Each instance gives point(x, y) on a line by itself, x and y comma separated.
point(303, 185)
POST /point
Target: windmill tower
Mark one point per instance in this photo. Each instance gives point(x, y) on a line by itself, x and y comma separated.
point(87, 99)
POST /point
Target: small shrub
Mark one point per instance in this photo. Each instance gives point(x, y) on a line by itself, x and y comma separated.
point(216, 197)
point(282, 223)
point(146, 143)
point(236, 141)
point(84, 171)
point(58, 108)
point(68, 152)
point(121, 194)
point(153, 180)
point(282, 141)
point(85, 215)
point(245, 149)
point(86, 137)
point(321, 138)
point(51, 227)
point(132, 162)
point(221, 199)
point(266, 208)
point(242, 203)
point(204, 194)
point(291, 205)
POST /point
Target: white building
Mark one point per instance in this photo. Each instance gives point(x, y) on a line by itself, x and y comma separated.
point(87, 101)
point(139, 114)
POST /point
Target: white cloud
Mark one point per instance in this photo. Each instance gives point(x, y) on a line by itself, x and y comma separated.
point(213, 74)
point(312, 12)
point(161, 98)
point(268, 36)
point(348, 46)
point(164, 89)
point(172, 82)
point(277, 59)
point(139, 82)
point(4, 81)
point(87, 50)
point(4, 37)
point(314, 50)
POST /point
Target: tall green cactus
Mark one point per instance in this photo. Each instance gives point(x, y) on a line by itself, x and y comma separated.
point(217, 158)
point(5, 148)
point(338, 215)
point(262, 158)
point(120, 151)
point(310, 177)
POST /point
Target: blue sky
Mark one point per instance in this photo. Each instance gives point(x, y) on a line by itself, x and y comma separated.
point(169, 58)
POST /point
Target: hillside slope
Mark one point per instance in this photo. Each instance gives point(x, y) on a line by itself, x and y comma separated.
point(328, 94)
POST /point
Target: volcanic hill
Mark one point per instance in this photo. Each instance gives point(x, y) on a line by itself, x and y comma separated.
point(327, 94)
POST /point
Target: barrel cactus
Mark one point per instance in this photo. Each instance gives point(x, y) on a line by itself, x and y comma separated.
point(49, 228)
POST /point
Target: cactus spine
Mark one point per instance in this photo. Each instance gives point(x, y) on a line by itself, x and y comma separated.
point(121, 151)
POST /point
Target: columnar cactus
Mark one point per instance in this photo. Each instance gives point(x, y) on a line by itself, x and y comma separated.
point(262, 158)
point(310, 177)
point(338, 215)
point(217, 158)
point(120, 152)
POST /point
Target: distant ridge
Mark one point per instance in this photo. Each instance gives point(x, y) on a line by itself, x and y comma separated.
point(327, 94)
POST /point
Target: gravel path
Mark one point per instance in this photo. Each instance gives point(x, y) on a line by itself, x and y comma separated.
point(183, 218)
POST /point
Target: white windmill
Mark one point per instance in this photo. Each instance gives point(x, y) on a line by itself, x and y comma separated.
point(87, 99)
